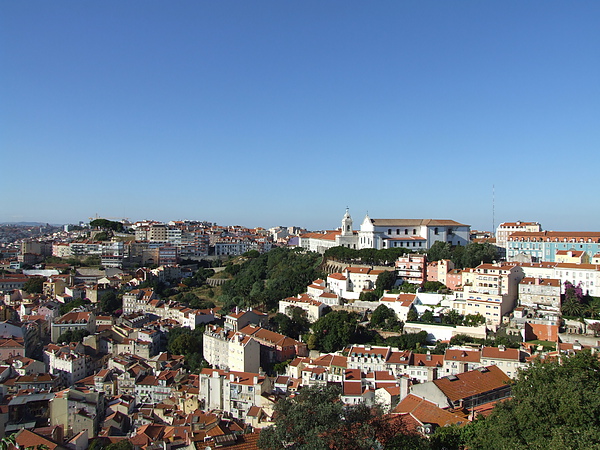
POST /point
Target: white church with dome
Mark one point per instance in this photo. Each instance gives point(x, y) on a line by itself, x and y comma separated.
point(413, 234)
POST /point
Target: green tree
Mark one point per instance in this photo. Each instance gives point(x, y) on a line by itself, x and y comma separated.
point(105, 224)
point(439, 250)
point(592, 310)
point(433, 286)
point(123, 444)
point(34, 285)
point(66, 307)
point(369, 296)
point(453, 317)
point(187, 342)
point(72, 336)
point(572, 308)
point(293, 326)
point(408, 341)
point(315, 419)
point(474, 254)
point(110, 302)
point(334, 331)
point(472, 320)
point(277, 274)
point(251, 254)
point(103, 236)
point(386, 319)
point(8, 442)
point(408, 288)
point(427, 317)
point(555, 405)
point(385, 281)
point(412, 315)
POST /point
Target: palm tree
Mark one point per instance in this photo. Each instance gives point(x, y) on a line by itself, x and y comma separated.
point(593, 310)
point(572, 308)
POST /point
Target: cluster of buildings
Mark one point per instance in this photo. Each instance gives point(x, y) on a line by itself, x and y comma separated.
point(118, 382)
point(115, 383)
point(145, 243)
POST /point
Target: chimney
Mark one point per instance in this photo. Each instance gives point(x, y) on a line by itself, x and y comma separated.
point(501, 348)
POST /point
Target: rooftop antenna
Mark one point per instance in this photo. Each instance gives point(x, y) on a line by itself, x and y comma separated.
point(493, 210)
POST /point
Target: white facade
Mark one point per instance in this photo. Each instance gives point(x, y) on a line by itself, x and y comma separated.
point(313, 308)
point(505, 229)
point(490, 290)
point(234, 392)
point(69, 364)
point(230, 350)
point(413, 234)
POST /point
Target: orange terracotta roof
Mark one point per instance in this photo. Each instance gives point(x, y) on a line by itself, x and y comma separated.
point(497, 353)
point(462, 355)
point(472, 383)
point(427, 412)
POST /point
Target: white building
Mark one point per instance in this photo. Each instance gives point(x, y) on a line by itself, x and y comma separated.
point(399, 303)
point(505, 229)
point(414, 234)
point(313, 308)
point(234, 392)
point(68, 362)
point(540, 293)
point(230, 350)
point(490, 290)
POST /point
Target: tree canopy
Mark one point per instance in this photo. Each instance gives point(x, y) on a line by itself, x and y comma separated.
point(293, 326)
point(187, 342)
point(555, 404)
point(110, 302)
point(470, 255)
point(385, 318)
point(315, 419)
point(272, 276)
point(385, 280)
point(106, 224)
point(365, 255)
point(333, 331)
point(34, 285)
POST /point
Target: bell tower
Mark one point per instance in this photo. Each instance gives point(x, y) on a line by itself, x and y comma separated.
point(347, 224)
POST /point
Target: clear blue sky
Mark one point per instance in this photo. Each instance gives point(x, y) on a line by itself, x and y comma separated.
point(264, 113)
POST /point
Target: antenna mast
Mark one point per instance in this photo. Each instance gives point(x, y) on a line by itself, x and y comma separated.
point(493, 210)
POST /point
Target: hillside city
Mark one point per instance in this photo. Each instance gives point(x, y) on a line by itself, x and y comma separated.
point(388, 333)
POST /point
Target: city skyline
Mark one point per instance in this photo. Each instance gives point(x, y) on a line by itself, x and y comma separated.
point(273, 113)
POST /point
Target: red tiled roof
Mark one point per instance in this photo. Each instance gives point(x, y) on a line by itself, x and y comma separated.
point(462, 355)
point(472, 383)
point(427, 412)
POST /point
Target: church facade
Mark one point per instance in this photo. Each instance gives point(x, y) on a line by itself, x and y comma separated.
point(413, 234)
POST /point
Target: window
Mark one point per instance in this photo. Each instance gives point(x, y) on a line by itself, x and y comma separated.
point(389, 231)
point(435, 231)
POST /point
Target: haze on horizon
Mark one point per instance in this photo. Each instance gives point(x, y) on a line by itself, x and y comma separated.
point(275, 113)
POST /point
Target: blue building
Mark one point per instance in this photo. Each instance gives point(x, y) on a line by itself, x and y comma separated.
point(543, 245)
